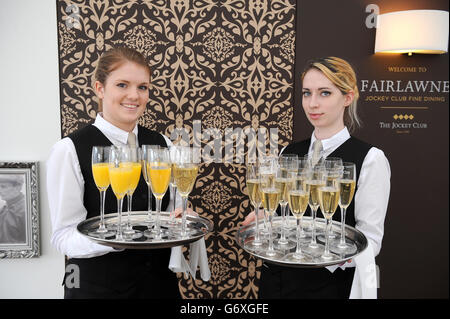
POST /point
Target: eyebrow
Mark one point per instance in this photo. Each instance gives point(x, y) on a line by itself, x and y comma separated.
point(119, 80)
point(324, 88)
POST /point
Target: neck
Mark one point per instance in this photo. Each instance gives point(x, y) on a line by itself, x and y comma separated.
point(323, 133)
point(123, 126)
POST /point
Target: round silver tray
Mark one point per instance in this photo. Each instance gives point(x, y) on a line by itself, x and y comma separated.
point(196, 227)
point(245, 235)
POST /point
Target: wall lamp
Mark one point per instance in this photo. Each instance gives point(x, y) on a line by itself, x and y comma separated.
point(412, 31)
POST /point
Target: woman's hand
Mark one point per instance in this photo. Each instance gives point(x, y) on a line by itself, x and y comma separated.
point(179, 212)
point(251, 217)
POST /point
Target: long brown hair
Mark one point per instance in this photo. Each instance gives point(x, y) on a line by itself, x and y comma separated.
point(113, 59)
point(341, 74)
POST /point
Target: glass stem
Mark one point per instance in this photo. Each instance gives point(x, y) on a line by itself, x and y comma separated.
point(270, 234)
point(298, 251)
point(343, 213)
point(257, 237)
point(313, 235)
point(102, 226)
point(183, 218)
point(158, 221)
point(149, 203)
point(283, 224)
point(327, 241)
point(119, 215)
point(130, 200)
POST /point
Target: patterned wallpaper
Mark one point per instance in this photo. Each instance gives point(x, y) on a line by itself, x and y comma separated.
point(224, 65)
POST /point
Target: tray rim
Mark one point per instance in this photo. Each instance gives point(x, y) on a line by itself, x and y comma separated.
point(145, 244)
point(239, 242)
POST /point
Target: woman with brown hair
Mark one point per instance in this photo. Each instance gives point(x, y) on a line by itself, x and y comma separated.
point(329, 99)
point(122, 80)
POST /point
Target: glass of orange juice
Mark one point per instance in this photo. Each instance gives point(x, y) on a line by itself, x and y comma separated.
point(120, 172)
point(159, 170)
point(100, 173)
point(135, 162)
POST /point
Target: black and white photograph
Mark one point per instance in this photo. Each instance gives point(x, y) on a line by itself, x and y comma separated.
point(18, 210)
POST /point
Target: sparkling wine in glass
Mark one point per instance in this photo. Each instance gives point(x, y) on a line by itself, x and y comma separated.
point(100, 172)
point(271, 194)
point(254, 194)
point(329, 195)
point(316, 180)
point(185, 174)
point(298, 202)
point(347, 184)
point(120, 172)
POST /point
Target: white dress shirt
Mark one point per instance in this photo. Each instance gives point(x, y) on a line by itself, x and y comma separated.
point(65, 184)
point(372, 195)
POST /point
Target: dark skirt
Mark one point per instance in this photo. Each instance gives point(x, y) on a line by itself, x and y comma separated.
point(128, 274)
point(304, 283)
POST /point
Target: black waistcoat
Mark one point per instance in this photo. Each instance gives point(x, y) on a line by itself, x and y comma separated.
point(129, 273)
point(319, 283)
point(352, 150)
point(90, 136)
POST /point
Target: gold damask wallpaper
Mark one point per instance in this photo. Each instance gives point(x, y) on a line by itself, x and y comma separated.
point(224, 65)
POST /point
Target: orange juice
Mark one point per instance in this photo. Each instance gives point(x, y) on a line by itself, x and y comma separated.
point(135, 175)
point(120, 180)
point(101, 175)
point(160, 178)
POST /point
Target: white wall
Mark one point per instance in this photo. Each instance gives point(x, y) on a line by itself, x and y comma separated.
point(29, 126)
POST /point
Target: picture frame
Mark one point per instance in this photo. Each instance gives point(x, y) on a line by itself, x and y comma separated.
point(19, 210)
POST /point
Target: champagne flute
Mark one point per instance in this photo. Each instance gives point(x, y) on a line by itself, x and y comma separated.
point(329, 200)
point(159, 171)
point(347, 190)
point(298, 202)
point(120, 171)
point(100, 172)
point(254, 194)
point(284, 176)
point(185, 174)
point(317, 179)
point(267, 167)
point(135, 163)
point(174, 158)
point(271, 194)
point(303, 174)
point(334, 167)
point(145, 150)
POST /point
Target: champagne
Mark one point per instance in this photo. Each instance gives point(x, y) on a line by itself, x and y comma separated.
point(298, 201)
point(314, 191)
point(160, 178)
point(253, 191)
point(101, 175)
point(283, 185)
point(328, 199)
point(347, 187)
point(120, 180)
point(184, 177)
point(270, 199)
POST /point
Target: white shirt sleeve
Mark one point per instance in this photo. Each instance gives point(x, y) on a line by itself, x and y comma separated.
point(372, 197)
point(65, 185)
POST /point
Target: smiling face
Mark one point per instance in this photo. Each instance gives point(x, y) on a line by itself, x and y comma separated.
point(124, 94)
point(323, 103)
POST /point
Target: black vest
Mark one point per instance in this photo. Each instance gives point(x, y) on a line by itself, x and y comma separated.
point(90, 136)
point(132, 273)
point(352, 150)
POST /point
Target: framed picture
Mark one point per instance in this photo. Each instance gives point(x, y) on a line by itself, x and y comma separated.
point(19, 216)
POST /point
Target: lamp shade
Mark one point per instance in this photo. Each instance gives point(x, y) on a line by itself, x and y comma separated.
point(412, 31)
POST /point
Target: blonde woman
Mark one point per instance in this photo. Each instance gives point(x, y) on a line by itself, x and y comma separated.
point(329, 100)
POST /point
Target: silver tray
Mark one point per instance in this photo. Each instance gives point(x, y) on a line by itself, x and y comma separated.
point(196, 227)
point(245, 235)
